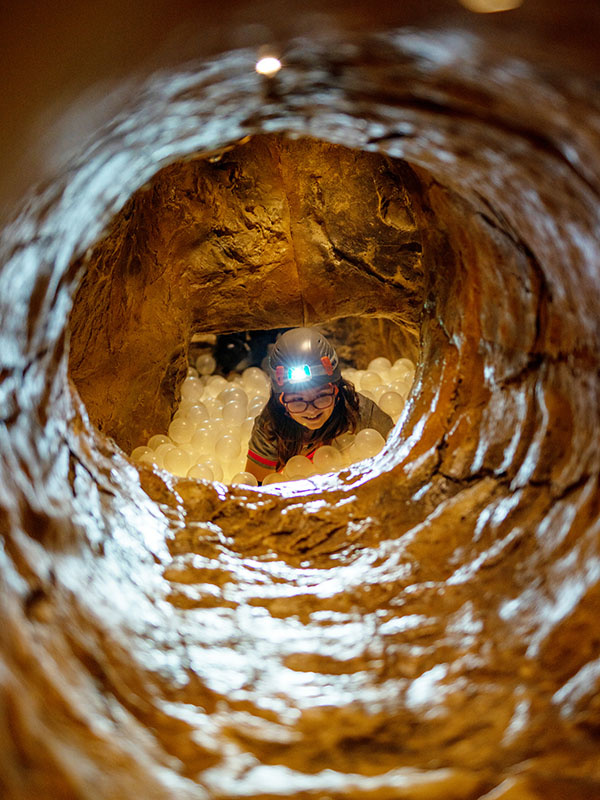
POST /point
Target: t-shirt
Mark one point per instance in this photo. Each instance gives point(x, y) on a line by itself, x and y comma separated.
point(263, 451)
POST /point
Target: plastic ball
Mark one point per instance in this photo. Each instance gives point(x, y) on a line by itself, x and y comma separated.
point(192, 373)
point(273, 477)
point(138, 452)
point(367, 393)
point(402, 387)
point(159, 438)
point(327, 459)
point(358, 376)
point(216, 468)
point(392, 403)
point(255, 380)
point(298, 467)
point(255, 405)
point(215, 385)
point(162, 450)
point(344, 441)
point(246, 478)
point(197, 414)
point(349, 374)
point(403, 369)
point(191, 389)
point(177, 461)
point(369, 441)
point(206, 364)
point(181, 430)
point(201, 471)
point(227, 448)
point(150, 458)
point(246, 428)
point(370, 380)
point(234, 413)
point(378, 391)
point(204, 439)
point(233, 393)
point(213, 406)
point(379, 365)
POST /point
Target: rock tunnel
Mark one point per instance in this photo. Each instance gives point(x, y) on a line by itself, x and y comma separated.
point(422, 625)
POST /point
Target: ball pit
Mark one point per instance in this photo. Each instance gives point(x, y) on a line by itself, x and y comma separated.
point(209, 433)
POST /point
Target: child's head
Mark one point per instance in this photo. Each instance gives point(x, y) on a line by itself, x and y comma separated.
point(308, 393)
point(302, 360)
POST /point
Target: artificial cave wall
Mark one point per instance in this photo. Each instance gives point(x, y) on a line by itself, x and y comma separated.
point(425, 626)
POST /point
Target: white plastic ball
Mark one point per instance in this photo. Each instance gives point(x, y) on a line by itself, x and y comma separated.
point(402, 387)
point(234, 413)
point(349, 374)
point(370, 380)
point(214, 407)
point(215, 385)
point(327, 459)
point(181, 430)
point(191, 389)
point(201, 471)
point(162, 450)
point(197, 414)
point(367, 393)
point(216, 468)
point(246, 428)
point(358, 376)
point(206, 364)
point(233, 393)
point(192, 373)
point(246, 478)
point(159, 438)
point(369, 441)
point(392, 403)
point(255, 381)
point(344, 441)
point(227, 448)
point(379, 365)
point(138, 452)
point(273, 477)
point(203, 440)
point(177, 461)
point(255, 405)
point(298, 467)
point(149, 458)
point(378, 391)
point(403, 369)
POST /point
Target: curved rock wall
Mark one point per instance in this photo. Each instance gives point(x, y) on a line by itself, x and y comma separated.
point(422, 628)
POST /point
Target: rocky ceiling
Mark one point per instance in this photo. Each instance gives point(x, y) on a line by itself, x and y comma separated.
point(424, 628)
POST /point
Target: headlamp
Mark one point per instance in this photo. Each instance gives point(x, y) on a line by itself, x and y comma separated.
point(299, 374)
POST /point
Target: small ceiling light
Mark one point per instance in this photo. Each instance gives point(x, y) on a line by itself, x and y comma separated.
point(491, 6)
point(269, 66)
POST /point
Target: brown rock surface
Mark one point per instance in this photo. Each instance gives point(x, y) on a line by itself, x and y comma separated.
point(427, 628)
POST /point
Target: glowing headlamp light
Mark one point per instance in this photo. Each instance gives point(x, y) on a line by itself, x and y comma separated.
point(299, 374)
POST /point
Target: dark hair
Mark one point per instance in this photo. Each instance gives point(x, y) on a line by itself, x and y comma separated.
point(288, 435)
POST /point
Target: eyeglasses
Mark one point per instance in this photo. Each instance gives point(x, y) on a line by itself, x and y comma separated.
point(320, 402)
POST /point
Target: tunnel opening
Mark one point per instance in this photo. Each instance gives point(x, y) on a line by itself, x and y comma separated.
point(274, 232)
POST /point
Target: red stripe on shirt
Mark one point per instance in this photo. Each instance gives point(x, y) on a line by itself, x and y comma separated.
point(260, 460)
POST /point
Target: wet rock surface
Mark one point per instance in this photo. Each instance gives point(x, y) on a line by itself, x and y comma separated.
point(427, 628)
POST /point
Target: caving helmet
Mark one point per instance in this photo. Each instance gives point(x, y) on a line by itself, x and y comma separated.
point(301, 359)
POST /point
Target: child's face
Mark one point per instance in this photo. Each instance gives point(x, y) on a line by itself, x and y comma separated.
point(312, 418)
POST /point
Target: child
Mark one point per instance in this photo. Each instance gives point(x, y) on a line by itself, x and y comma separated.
point(310, 404)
